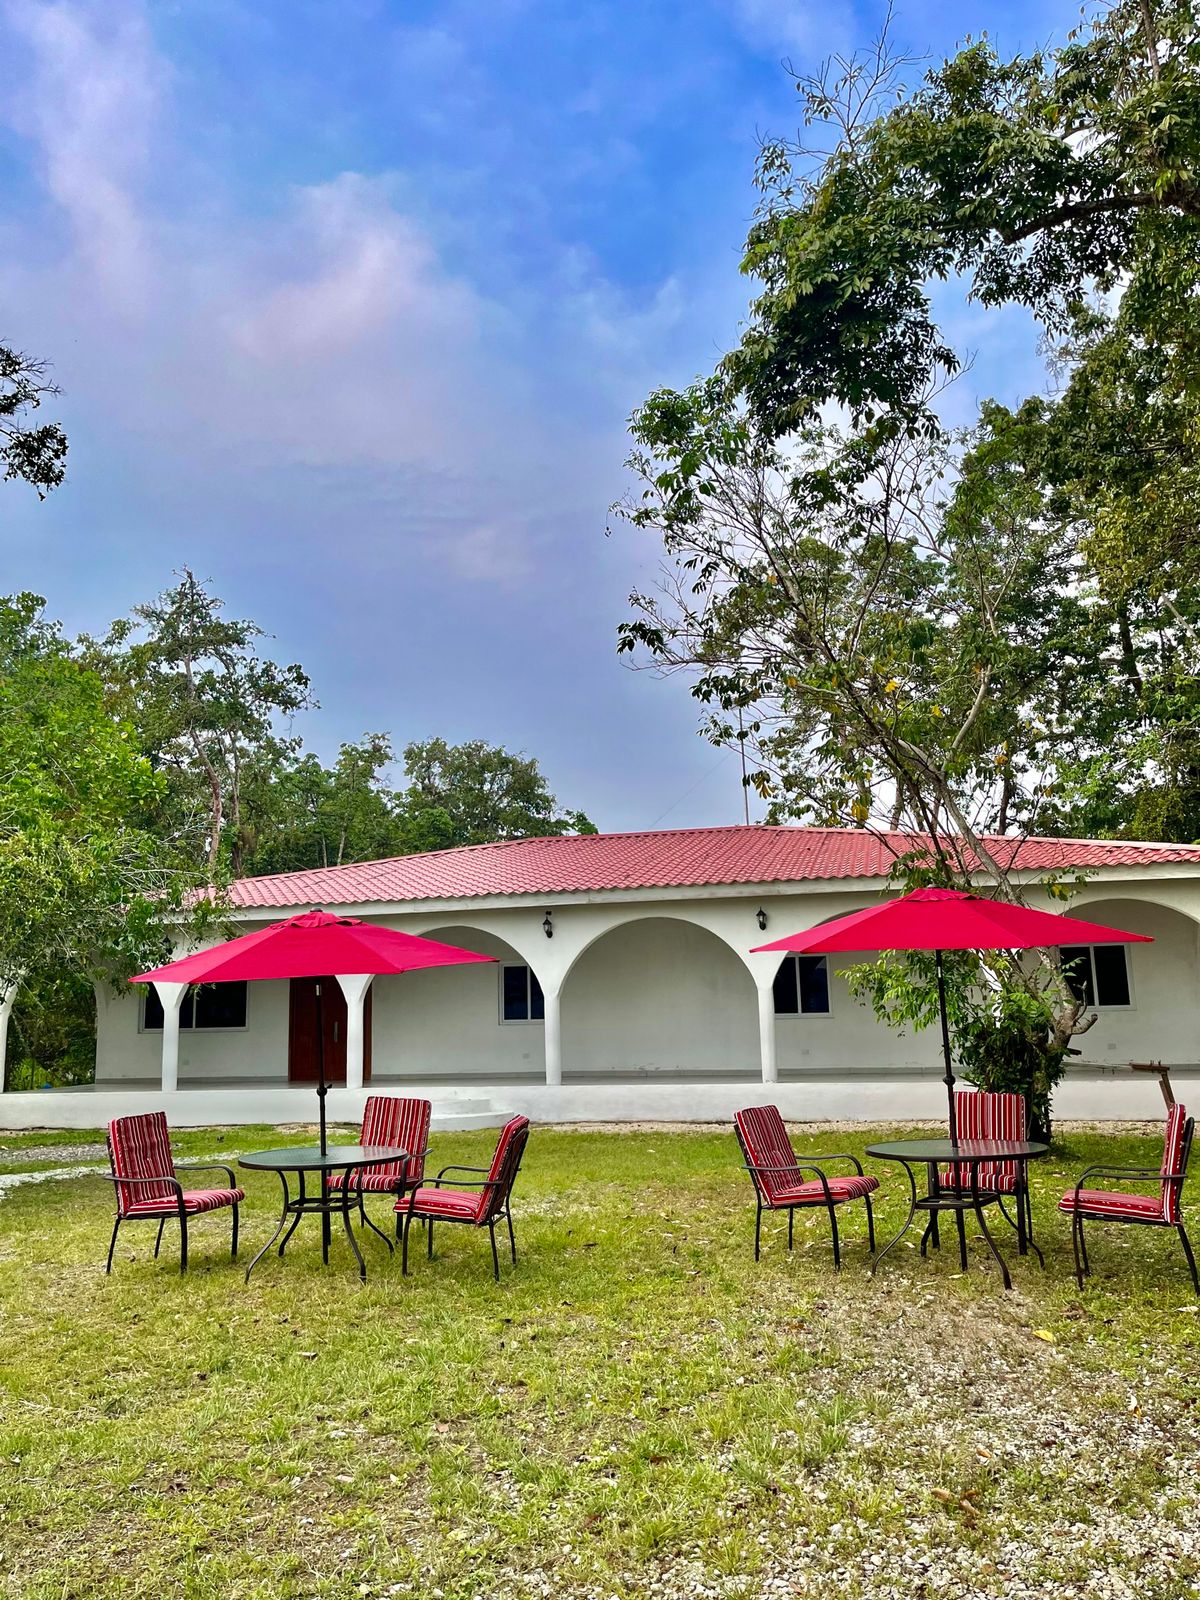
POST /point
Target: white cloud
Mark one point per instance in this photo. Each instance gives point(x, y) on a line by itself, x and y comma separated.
point(325, 333)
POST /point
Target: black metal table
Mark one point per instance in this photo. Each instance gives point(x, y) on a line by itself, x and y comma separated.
point(955, 1197)
point(351, 1160)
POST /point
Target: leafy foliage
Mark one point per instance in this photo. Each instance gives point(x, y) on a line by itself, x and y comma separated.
point(82, 882)
point(34, 453)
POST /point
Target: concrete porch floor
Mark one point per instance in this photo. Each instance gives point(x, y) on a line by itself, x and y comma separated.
point(1087, 1092)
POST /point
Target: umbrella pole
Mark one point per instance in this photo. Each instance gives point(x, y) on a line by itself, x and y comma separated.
point(322, 1091)
point(946, 1053)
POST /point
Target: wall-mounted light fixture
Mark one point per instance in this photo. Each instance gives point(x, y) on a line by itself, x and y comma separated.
point(548, 926)
point(760, 916)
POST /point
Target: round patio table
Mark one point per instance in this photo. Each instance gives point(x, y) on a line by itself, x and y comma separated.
point(956, 1198)
point(351, 1160)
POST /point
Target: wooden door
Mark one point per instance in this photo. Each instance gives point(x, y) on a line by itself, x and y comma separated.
point(302, 1031)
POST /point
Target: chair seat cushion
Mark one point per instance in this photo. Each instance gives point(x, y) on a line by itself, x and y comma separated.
point(194, 1201)
point(372, 1182)
point(1109, 1203)
point(993, 1178)
point(813, 1193)
point(459, 1204)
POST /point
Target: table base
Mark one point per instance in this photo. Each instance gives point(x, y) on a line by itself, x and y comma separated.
point(958, 1202)
point(325, 1204)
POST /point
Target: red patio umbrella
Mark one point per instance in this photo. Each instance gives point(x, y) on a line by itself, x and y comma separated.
point(313, 945)
point(949, 919)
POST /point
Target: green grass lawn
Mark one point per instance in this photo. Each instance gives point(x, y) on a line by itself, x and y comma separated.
point(637, 1409)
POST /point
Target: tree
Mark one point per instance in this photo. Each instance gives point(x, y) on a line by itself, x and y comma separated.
point(475, 793)
point(206, 706)
point(82, 887)
point(1044, 181)
point(36, 454)
point(318, 816)
point(964, 634)
point(893, 651)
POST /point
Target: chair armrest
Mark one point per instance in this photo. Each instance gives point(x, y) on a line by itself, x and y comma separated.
point(209, 1166)
point(843, 1155)
point(144, 1182)
point(1128, 1174)
point(445, 1170)
point(111, 1177)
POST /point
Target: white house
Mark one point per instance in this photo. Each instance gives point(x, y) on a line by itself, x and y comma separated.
point(626, 988)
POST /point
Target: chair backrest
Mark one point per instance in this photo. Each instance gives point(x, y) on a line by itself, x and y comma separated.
point(392, 1119)
point(990, 1114)
point(506, 1163)
point(765, 1143)
point(140, 1147)
point(1177, 1148)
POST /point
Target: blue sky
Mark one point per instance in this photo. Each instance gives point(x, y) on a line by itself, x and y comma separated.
point(350, 304)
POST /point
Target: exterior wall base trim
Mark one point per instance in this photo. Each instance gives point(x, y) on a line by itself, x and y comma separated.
point(882, 1098)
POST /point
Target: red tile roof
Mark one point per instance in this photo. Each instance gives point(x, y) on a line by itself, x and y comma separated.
point(678, 858)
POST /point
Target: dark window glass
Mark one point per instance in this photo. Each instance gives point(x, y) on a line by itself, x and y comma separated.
point(537, 1000)
point(1112, 975)
point(220, 1005)
point(787, 998)
point(813, 973)
point(216, 1005)
point(1077, 970)
point(515, 992)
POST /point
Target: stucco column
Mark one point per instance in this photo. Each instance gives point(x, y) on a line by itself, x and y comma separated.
point(766, 1030)
point(553, 1035)
point(7, 999)
point(354, 986)
point(171, 995)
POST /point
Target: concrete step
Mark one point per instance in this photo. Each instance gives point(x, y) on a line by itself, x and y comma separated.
point(455, 1115)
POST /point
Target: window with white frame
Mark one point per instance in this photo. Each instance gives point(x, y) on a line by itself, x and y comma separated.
point(521, 997)
point(802, 987)
point(1097, 974)
point(209, 1006)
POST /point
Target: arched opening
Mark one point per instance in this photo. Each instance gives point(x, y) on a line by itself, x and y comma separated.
point(659, 998)
point(1148, 1007)
point(460, 1025)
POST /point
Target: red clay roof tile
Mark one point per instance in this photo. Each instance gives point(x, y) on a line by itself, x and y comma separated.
point(676, 858)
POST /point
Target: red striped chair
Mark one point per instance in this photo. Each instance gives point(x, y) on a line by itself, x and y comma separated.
point(986, 1114)
point(390, 1119)
point(479, 1202)
point(1161, 1210)
point(779, 1181)
point(144, 1172)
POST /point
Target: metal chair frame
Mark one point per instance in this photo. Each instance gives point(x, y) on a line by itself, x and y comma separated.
point(830, 1203)
point(1080, 1214)
point(169, 1212)
point(499, 1205)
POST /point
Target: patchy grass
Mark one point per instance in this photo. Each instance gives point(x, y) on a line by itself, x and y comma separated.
point(637, 1410)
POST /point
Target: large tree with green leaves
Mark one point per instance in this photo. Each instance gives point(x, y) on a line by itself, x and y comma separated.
point(209, 710)
point(959, 635)
point(474, 793)
point(82, 882)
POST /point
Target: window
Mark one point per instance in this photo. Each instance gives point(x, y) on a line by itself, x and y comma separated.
point(212, 1005)
point(802, 987)
point(521, 997)
point(1097, 974)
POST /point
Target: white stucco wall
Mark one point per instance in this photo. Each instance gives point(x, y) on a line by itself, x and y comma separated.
point(662, 986)
point(445, 1022)
point(659, 995)
point(1163, 1022)
point(259, 1050)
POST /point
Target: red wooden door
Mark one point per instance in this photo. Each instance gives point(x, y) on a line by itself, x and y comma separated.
point(302, 1031)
